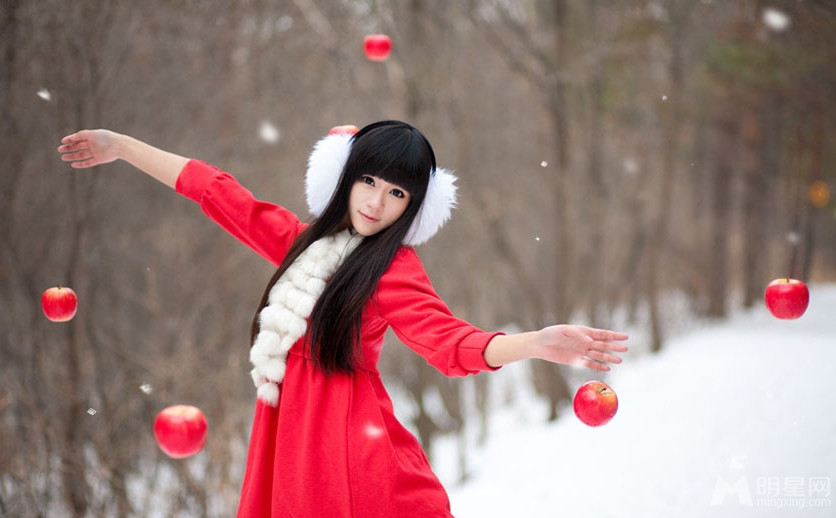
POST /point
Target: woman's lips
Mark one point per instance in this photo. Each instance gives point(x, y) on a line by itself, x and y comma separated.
point(367, 218)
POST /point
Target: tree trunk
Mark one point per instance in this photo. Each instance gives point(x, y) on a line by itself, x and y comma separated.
point(671, 116)
point(597, 197)
point(558, 115)
point(755, 196)
point(721, 175)
point(815, 172)
point(73, 463)
point(547, 378)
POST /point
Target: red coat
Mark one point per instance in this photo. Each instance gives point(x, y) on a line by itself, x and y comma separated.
point(332, 447)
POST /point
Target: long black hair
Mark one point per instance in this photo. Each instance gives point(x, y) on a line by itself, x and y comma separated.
point(400, 154)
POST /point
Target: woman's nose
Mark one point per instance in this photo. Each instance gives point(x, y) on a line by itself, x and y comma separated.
point(376, 198)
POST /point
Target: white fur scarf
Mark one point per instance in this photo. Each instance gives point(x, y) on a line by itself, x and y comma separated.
point(283, 320)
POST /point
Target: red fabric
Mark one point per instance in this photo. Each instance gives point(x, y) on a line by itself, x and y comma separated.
point(333, 447)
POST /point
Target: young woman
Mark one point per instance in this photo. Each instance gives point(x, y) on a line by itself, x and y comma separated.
point(325, 440)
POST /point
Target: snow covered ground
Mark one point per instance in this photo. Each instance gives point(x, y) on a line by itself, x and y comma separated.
point(736, 419)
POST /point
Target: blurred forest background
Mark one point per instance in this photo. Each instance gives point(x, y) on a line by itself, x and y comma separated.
point(618, 162)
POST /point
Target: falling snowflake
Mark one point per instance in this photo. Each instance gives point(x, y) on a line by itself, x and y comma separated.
point(793, 238)
point(537, 238)
point(146, 388)
point(630, 166)
point(284, 23)
point(775, 19)
point(44, 94)
point(664, 97)
point(268, 133)
point(544, 163)
point(91, 411)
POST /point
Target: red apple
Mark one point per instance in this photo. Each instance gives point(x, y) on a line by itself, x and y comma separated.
point(595, 403)
point(377, 47)
point(59, 303)
point(180, 430)
point(787, 299)
point(347, 129)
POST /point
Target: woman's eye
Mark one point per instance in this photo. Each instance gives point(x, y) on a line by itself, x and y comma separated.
point(368, 180)
point(397, 193)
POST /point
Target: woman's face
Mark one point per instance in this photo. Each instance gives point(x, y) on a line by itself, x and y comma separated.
point(374, 204)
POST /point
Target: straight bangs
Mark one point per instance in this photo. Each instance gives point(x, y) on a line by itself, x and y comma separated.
point(396, 153)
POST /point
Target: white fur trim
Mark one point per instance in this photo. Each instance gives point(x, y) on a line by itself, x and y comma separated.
point(329, 155)
point(436, 209)
point(283, 320)
point(325, 165)
point(269, 393)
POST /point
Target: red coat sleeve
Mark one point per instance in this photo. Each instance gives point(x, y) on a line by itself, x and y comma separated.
point(267, 228)
point(406, 299)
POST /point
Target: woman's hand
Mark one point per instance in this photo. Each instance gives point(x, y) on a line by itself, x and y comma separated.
point(568, 344)
point(579, 345)
point(88, 148)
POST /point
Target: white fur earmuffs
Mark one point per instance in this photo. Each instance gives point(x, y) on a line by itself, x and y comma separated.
point(325, 165)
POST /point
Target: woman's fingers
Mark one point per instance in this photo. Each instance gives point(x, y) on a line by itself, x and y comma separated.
point(69, 146)
point(80, 159)
point(601, 345)
point(77, 149)
point(605, 335)
point(602, 356)
point(611, 346)
point(592, 364)
point(74, 156)
point(76, 139)
point(83, 164)
point(607, 340)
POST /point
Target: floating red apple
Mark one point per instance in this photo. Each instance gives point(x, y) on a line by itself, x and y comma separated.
point(377, 47)
point(59, 303)
point(346, 129)
point(787, 299)
point(180, 430)
point(595, 403)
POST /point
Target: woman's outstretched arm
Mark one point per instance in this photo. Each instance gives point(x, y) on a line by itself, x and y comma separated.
point(88, 148)
point(567, 344)
point(267, 228)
